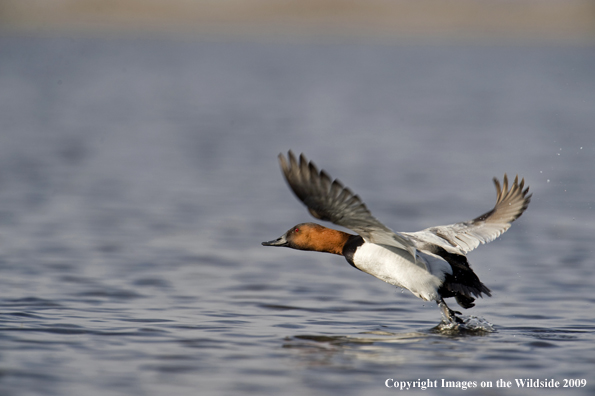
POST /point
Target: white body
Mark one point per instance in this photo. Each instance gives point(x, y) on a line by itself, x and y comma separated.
point(392, 265)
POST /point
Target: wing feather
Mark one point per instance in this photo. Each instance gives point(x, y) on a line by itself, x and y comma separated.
point(465, 236)
point(329, 200)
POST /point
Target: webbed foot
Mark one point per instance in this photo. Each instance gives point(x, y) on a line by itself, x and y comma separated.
point(448, 313)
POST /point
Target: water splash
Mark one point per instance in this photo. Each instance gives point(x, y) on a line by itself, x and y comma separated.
point(472, 325)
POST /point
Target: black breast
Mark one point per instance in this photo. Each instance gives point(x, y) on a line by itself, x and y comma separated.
point(350, 248)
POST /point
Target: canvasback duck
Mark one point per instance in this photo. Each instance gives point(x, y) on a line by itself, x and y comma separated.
point(430, 263)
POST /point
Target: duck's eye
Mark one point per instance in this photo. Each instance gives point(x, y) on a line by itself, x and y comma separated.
point(296, 230)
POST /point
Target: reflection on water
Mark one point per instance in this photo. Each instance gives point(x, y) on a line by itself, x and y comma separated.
point(435, 346)
point(337, 351)
point(376, 346)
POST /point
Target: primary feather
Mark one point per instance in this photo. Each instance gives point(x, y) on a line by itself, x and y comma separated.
point(463, 237)
point(331, 201)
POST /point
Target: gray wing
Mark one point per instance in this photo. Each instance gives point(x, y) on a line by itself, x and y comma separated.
point(464, 237)
point(329, 200)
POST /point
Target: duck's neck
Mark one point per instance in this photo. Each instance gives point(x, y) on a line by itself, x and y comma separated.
point(330, 241)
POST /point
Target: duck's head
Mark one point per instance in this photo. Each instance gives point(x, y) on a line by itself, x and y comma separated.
point(311, 236)
point(298, 237)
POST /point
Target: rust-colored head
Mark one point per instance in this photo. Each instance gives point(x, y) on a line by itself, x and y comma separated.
point(312, 236)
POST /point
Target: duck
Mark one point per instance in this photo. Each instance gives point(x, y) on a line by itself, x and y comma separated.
point(431, 263)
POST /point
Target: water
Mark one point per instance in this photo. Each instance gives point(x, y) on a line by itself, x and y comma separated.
point(138, 178)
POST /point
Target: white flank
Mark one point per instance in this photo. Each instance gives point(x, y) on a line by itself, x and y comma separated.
point(394, 266)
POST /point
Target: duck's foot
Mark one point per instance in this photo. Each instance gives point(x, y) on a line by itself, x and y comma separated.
point(449, 314)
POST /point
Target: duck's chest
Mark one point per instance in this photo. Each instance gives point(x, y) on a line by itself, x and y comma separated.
point(395, 267)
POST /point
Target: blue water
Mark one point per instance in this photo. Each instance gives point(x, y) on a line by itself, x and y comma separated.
point(138, 178)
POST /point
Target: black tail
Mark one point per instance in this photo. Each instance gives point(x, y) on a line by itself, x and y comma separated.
point(464, 301)
point(463, 284)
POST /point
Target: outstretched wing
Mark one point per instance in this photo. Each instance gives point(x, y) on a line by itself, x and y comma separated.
point(464, 237)
point(329, 200)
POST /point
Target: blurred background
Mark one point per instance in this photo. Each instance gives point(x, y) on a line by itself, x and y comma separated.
point(139, 175)
point(544, 20)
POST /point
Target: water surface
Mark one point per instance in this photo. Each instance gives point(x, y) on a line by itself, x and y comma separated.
point(138, 178)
